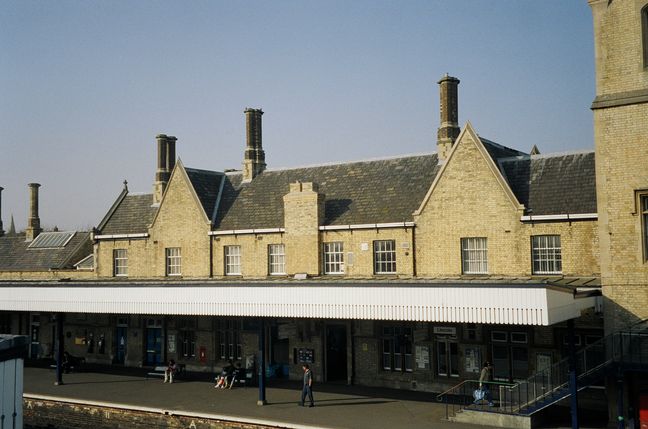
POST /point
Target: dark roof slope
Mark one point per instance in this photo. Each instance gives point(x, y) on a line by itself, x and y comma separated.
point(553, 184)
point(133, 215)
point(207, 185)
point(378, 191)
point(15, 255)
point(497, 151)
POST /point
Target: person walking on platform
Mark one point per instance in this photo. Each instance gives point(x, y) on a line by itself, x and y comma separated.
point(308, 386)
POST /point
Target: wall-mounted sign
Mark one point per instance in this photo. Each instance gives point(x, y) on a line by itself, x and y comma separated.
point(445, 330)
point(472, 358)
point(422, 357)
point(306, 355)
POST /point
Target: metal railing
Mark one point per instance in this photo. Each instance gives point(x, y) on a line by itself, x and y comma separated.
point(463, 395)
point(627, 348)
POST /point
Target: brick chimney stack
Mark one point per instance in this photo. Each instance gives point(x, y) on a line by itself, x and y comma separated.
point(1, 230)
point(33, 222)
point(254, 159)
point(449, 110)
point(165, 164)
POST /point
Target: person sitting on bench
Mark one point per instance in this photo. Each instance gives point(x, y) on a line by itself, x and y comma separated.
point(223, 380)
point(169, 371)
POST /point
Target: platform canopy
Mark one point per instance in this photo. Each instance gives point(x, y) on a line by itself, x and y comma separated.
point(492, 303)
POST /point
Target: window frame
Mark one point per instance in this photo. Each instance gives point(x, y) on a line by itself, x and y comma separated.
point(401, 337)
point(470, 252)
point(187, 340)
point(547, 254)
point(277, 259)
point(120, 263)
point(381, 258)
point(447, 356)
point(644, 34)
point(333, 257)
point(173, 257)
point(643, 212)
point(232, 261)
point(228, 338)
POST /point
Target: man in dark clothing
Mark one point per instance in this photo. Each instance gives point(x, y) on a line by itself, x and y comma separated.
point(307, 389)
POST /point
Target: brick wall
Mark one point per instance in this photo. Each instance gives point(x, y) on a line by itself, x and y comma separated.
point(621, 139)
point(470, 201)
point(43, 414)
point(303, 214)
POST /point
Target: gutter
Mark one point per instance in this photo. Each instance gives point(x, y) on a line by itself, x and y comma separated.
point(567, 217)
point(121, 236)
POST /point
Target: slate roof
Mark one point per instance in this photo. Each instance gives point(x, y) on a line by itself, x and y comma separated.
point(378, 191)
point(207, 186)
point(553, 184)
point(15, 255)
point(367, 192)
point(497, 151)
point(132, 215)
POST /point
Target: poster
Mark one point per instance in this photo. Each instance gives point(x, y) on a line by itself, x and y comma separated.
point(472, 359)
point(172, 343)
point(422, 357)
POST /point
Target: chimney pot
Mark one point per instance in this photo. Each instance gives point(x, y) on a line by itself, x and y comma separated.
point(449, 112)
point(33, 222)
point(254, 158)
point(165, 163)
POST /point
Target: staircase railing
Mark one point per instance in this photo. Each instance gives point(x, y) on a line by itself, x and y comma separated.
point(463, 396)
point(628, 348)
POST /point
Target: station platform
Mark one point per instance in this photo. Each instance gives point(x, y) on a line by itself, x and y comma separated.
point(336, 406)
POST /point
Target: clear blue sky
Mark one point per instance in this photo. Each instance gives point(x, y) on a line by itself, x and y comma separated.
point(85, 86)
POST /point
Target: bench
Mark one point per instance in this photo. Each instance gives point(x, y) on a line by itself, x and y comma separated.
point(242, 377)
point(70, 363)
point(158, 371)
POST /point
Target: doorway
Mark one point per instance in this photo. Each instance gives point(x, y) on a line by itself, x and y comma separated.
point(121, 339)
point(35, 336)
point(153, 342)
point(336, 353)
point(510, 355)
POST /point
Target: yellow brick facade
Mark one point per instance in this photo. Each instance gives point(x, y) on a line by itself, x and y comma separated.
point(621, 141)
point(180, 223)
point(303, 214)
point(469, 199)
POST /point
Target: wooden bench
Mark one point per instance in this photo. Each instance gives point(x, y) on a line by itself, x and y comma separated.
point(158, 371)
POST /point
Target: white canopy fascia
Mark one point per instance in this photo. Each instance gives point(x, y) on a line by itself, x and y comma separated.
point(490, 304)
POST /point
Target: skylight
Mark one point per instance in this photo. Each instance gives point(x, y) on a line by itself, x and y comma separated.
point(51, 240)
